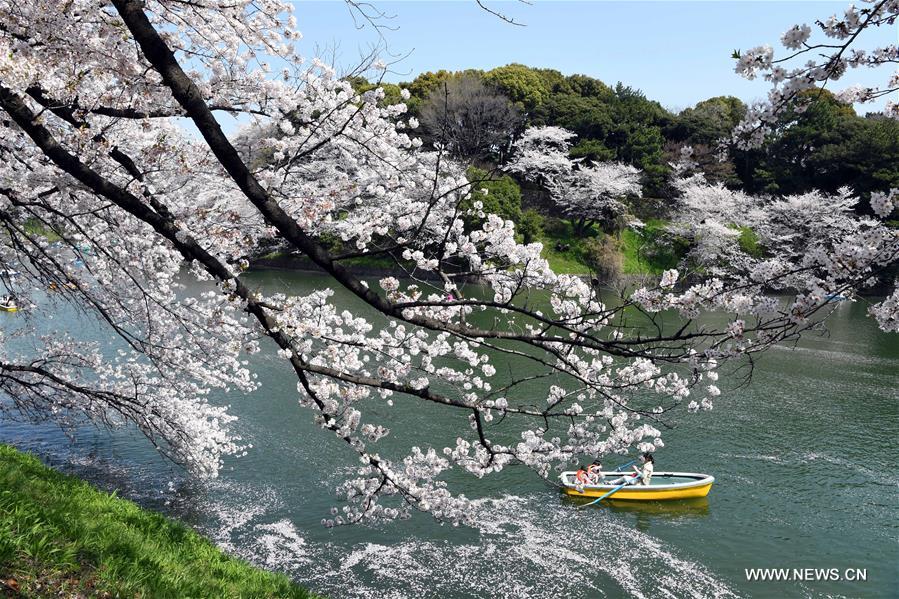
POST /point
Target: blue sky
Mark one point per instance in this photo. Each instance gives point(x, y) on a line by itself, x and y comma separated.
point(677, 52)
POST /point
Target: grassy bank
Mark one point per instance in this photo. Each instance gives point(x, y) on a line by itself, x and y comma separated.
point(60, 537)
point(638, 252)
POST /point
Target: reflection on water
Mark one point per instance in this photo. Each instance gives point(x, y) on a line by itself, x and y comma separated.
point(648, 514)
point(817, 416)
point(694, 506)
point(645, 514)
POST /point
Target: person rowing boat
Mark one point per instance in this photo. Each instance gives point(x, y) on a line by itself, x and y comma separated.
point(645, 473)
point(640, 476)
point(638, 484)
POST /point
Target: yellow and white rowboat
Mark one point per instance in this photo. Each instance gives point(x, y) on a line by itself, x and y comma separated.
point(663, 486)
point(9, 308)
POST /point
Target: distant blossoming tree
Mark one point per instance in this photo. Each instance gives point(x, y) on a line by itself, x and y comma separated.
point(587, 193)
point(95, 169)
point(809, 229)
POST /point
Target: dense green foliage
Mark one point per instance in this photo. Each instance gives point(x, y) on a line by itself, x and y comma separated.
point(708, 121)
point(530, 227)
point(502, 197)
point(526, 87)
point(827, 146)
point(59, 537)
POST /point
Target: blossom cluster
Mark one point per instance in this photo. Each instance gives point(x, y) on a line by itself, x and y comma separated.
point(828, 60)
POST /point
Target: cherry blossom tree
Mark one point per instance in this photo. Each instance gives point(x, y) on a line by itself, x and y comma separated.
point(793, 229)
point(837, 53)
point(588, 193)
point(96, 168)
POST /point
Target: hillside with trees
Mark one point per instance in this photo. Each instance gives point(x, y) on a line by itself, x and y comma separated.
point(477, 116)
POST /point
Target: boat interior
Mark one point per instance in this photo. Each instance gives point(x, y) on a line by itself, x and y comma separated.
point(658, 478)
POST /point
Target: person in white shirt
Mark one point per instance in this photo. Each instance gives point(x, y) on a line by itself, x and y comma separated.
point(648, 466)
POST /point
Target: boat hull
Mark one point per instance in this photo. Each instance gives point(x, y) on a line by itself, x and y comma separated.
point(696, 485)
point(9, 309)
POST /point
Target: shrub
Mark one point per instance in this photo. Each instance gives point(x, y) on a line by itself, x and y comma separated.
point(603, 256)
point(530, 227)
point(749, 242)
point(503, 196)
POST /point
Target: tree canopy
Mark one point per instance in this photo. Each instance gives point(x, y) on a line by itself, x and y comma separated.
point(827, 147)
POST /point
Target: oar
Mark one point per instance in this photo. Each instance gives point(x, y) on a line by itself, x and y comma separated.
point(615, 490)
point(631, 463)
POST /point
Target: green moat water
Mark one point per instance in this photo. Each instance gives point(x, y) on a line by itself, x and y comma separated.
point(804, 459)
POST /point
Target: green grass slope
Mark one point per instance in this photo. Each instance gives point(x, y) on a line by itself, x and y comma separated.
point(60, 537)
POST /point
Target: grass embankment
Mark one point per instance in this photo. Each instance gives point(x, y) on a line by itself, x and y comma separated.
point(60, 537)
point(638, 250)
point(644, 251)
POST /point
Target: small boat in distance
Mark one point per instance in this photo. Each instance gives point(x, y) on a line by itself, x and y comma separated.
point(8, 304)
point(663, 486)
